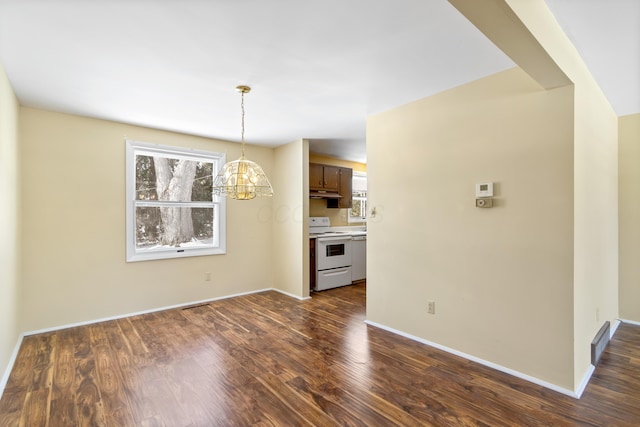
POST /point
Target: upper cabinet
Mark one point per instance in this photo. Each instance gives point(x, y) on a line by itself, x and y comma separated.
point(332, 183)
point(324, 177)
point(345, 177)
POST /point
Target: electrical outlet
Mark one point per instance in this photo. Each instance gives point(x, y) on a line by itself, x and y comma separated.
point(431, 307)
point(597, 314)
point(207, 276)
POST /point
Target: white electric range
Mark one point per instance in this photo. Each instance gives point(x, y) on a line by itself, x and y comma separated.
point(333, 254)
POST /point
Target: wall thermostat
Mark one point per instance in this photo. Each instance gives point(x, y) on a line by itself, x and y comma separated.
point(484, 189)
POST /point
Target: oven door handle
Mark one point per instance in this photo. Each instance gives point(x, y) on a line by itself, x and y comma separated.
point(335, 239)
point(336, 272)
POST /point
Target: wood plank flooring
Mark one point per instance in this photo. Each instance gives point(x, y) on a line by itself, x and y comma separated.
point(270, 360)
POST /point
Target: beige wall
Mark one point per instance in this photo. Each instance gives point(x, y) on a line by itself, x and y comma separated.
point(595, 185)
point(501, 278)
point(337, 217)
point(9, 223)
point(73, 213)
point(290, 249)
point(595, 221)
point(528, 33)
point(318, 207)
point(325, 160)
point(629, 168)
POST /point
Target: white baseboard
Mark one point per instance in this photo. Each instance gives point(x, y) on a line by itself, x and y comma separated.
point(614, 328)
point(7, 372)
point(291, 295)
point(517, 374)
point(587, 376)
point(631, 322)
point(12, 361)
point(575, 394)
point(137, 313)
point(585, 381)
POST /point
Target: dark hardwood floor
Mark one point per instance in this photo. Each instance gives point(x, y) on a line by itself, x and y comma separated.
point(270, 360)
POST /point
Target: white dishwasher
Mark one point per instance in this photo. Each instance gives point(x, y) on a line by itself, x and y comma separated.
point(358, 257)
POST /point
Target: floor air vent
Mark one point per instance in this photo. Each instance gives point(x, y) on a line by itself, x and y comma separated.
point(599, 343)
point(191, 307)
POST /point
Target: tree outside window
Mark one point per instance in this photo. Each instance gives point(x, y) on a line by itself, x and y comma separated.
point(358, 211)
point(171, 209)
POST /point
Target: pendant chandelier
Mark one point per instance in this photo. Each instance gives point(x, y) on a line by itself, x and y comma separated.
point(242, 179)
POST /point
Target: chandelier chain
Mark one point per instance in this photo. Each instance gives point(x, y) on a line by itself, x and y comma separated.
point(242, 108)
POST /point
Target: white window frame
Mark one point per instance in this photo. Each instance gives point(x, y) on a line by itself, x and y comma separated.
point(218, 203)
point(358, 219)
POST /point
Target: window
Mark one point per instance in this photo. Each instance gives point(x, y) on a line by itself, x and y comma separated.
point(171, 209)
point(358, 211)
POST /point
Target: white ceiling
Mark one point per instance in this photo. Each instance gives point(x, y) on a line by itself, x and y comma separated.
point(606, 33)
point(317, 68)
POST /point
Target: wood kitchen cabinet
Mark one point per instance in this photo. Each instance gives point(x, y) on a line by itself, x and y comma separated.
point(324, 177)
point(331, 179)
point(346, 176)
point(344, 189)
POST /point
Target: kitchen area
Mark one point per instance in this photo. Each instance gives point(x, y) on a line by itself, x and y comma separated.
point(337, 227)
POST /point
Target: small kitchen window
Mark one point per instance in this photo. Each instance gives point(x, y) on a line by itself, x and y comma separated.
point(358, 211)
point(171, 209)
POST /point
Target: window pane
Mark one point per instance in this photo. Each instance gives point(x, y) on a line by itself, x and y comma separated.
point(169, 227)
point(145, 178)
point(359, 182)
point(358, 208)
point(358, 211)
point(172, 179)
point(203, 183)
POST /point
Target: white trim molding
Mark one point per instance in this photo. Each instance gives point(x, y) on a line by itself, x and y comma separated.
point(299, 298)
point(5, 377)
point(12, 361)
point(614, 327)
point(631, 322)
point(575, 394)
point(137, 313)
point(585, 381)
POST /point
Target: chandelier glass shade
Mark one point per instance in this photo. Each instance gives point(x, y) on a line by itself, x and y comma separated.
point(242, 179)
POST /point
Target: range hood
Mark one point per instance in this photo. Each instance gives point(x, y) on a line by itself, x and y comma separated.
point(324, 195)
